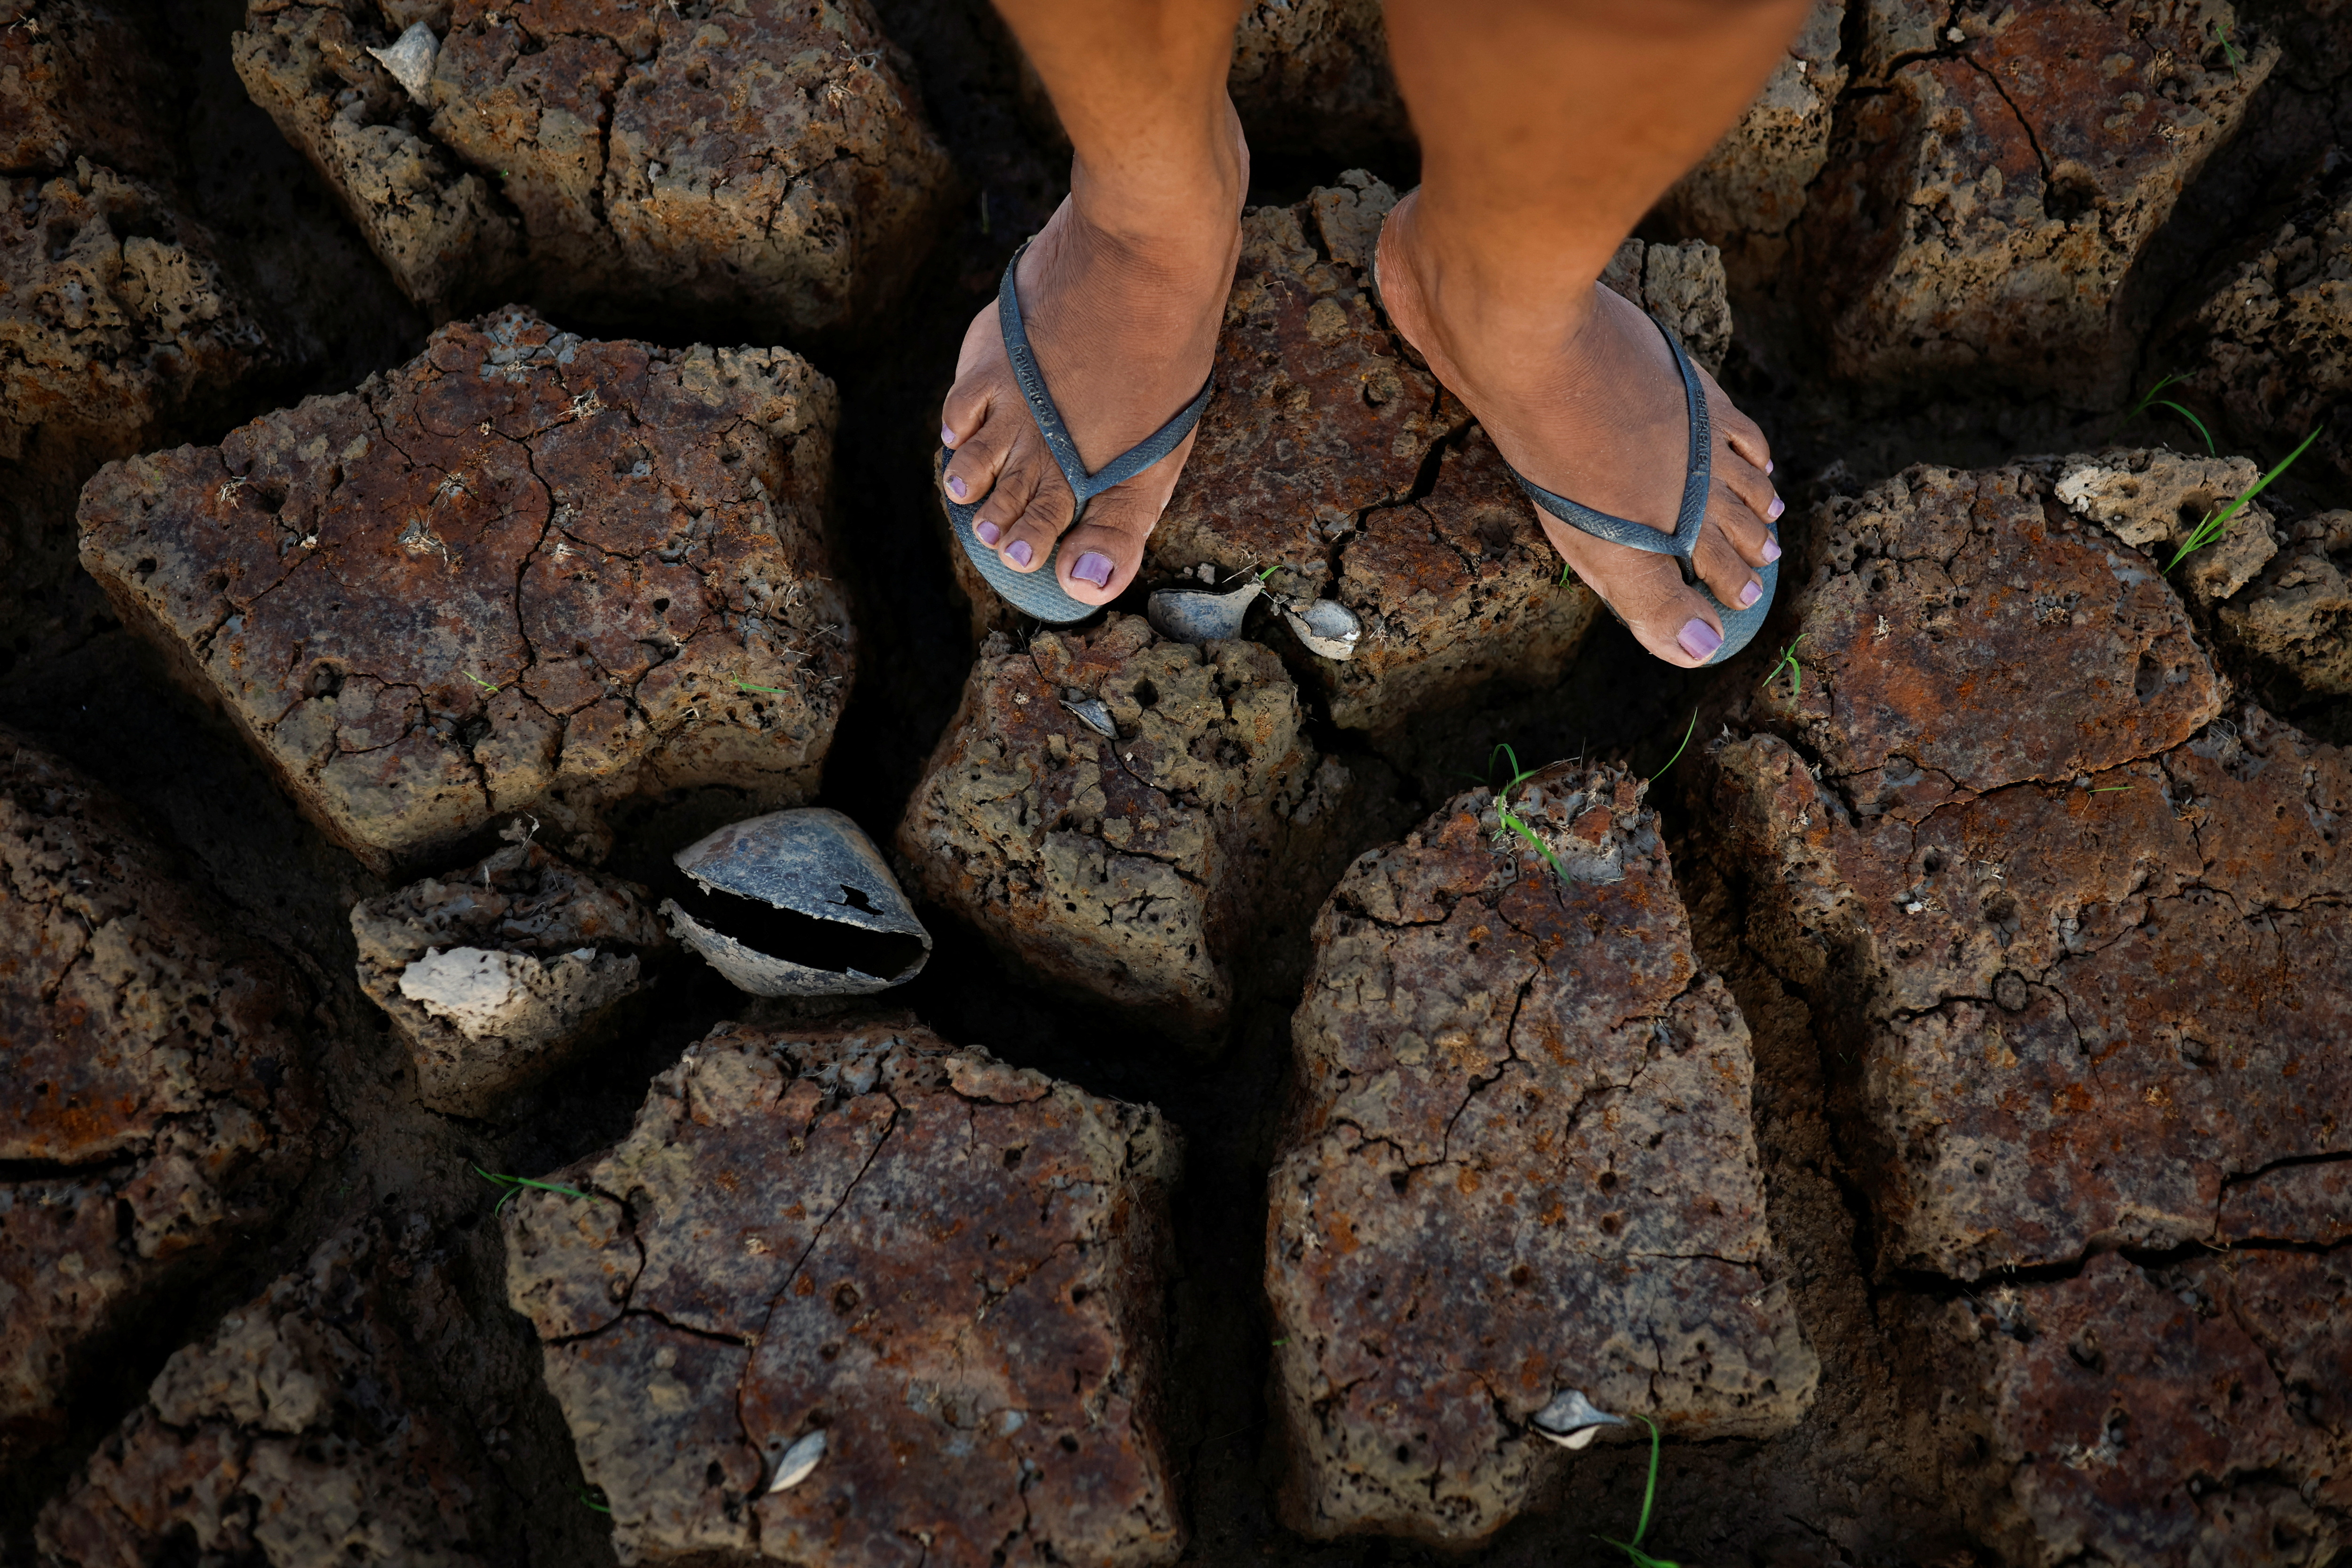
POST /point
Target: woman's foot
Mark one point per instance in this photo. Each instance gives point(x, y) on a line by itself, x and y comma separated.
point(1122, 294)
point(1580, 395)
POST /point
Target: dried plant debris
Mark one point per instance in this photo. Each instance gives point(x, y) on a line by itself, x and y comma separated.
point(498, 975)
point(808, 883)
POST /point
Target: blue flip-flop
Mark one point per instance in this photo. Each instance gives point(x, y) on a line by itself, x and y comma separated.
point(1740, 626)
point(1040, 592)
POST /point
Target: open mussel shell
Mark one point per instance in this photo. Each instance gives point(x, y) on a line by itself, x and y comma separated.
point(1572, 1420)
point(1327, 626)
point(1201, 615)
point(798, 1462)
point(806, 881)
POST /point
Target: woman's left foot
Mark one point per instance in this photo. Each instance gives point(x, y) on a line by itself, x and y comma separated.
point(1580, 395)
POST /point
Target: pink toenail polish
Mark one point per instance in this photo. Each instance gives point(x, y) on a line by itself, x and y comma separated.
point(956, 486)
point(1773, 513)
point(1750, 593)
point(1021, 553)
point(1698, 639)
point(946, 437)
point(1767, 465)
point(989, 533)
point(1771, 550)
point(1094, 567)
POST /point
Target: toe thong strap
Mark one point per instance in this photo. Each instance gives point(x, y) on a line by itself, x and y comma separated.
point(1698, 480)
point(1128, 464)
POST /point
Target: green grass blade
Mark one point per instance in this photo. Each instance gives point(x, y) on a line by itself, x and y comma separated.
point(2214, 527)
point(515, 1184)
point(2147, 398)
point(1269, 571)
point(1649, 1489)
point(1524, 831)
point(1687, 733)
point(2211, 449)
point(747, 686)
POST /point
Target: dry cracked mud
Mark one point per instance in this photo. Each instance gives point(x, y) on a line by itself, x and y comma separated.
point(942, 1272)
point(1518, 1161)
point(312, 1426)
point(526, 572)
point(503, 973)
point(155, 1099)
point(1136, 865)
point(758, 160)
point(2003, 170)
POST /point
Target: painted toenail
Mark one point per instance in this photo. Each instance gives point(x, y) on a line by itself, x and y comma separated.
point(956, 486)
point(1767, 465)
point(1771, 550)
point(1094, 567)
point(1021, 553)
point(989, 533)
point(1698, 639)
point(1750, 593)
point(947, 438)
point(1773, 513)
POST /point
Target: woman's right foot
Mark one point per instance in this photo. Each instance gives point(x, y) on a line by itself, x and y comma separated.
point(1122, 293)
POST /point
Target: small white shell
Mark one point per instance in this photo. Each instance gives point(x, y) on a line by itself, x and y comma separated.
point(1572, 1420)
point(409, 59)
point(1200, 614)
point(798, 1462)
point(1327, 626)
point(1095, 716)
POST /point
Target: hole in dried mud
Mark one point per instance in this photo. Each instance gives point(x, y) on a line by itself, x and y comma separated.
point(2148, 680)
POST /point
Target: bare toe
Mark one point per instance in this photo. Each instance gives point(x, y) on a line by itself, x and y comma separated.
point(1029, 537)
point(1719, 565)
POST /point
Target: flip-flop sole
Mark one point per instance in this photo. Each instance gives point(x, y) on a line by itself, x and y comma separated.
point(1741, 626)
point(1038, 592)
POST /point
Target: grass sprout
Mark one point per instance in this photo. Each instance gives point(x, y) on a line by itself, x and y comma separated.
point(1788, 661)
point(742, 685)
point(2149, 399)
point(2215, 526)
point(1511, 820)
point(514, 1186)
point(2230, 49)
point(1269, 571)
point(1687, 733)
point(593, 1498)
point(1632, 1549)
point(480, 682)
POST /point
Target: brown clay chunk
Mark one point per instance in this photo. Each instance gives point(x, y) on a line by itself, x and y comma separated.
point(307, 1428)
point(523, 572)
point(498, 975)
point(1520, 1162)
point(152, 1102)
point(1985, 200)
point(938, 1274)
point(119, 316)
point(1130, 865)
point(763, 157)
point(2189, 1412)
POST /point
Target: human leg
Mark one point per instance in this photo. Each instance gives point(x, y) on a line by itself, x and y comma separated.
point(1121, 293)
point(1547, 127)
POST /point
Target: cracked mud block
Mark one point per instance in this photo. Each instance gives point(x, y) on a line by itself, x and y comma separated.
point(1964, 631)
point(118, 316)
point(309, 1427)
point(1330, 454)
point(942, 1273)
point(2268, 342)
point(758, 159)
point(1133, 866)
point(152, 1101)
point(1313, 76)
point(1747, 195)
point(1983, 203)
point(1519, 1160)
point(524, 571)
point(2170, 1415)
point(502, 973)
point(2068, 1015)
point(2297, 618)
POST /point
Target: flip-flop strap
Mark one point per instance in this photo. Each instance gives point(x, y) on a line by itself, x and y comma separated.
point(1698, 480)
point(1120, 469)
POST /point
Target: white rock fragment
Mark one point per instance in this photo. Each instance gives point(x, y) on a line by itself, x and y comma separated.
point(409, 59)
point(485, 993)
point(799, 1462)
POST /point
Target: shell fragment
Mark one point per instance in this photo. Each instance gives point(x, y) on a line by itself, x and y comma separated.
point(1201, 615)
point(812, 862)
point(409, 59)
point(1327, 626)
point(798, 1462)
point(1095, 716)
point(1572, 1420)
